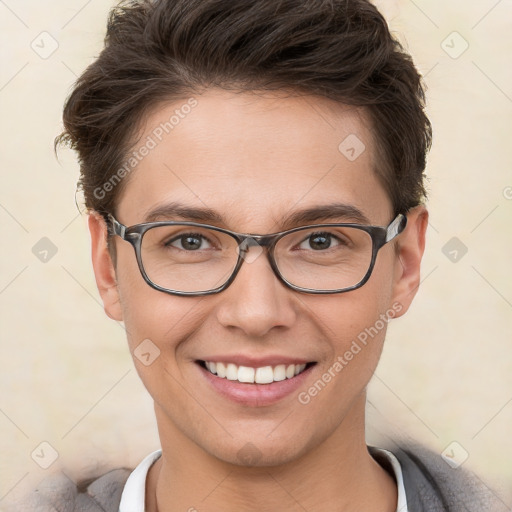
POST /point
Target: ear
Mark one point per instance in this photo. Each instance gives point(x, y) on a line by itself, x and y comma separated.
point(411, 245)
point(104, 270)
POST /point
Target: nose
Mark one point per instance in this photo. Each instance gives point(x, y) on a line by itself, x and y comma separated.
point(256, 301)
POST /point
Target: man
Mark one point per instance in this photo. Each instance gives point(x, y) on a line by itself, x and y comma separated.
point(254, 177)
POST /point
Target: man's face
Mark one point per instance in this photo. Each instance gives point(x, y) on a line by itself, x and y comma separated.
point(255, 159)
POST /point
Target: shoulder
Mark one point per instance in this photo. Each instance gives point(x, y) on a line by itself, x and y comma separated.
point(432, 485)
point(58, 493)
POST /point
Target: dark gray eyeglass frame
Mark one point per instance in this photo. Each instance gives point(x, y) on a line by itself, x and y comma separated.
point(133, 234)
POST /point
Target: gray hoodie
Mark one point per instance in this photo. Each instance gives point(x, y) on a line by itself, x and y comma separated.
point(430, 484)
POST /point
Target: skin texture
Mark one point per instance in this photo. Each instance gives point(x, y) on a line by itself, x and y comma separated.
point(254, 158)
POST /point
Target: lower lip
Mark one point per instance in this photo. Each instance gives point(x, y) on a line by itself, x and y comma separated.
point(255, 395)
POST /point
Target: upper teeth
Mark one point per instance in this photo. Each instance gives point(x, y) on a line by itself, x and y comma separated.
point(262, 375)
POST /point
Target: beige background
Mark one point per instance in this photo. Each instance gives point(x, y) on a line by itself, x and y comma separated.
point(66, 377)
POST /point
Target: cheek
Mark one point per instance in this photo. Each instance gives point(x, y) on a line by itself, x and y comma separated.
point(356, 329)
point(350, 314)
point(156, 324)
point(355, 324)
point(148, 313)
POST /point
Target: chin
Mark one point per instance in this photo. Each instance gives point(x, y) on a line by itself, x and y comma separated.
point(259, 452)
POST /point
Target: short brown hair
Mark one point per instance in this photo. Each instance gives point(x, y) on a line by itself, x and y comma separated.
point(163, 50)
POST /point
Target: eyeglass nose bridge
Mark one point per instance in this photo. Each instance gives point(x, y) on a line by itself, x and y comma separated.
point(246, 241)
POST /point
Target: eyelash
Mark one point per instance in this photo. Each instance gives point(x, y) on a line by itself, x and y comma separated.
point(187, 235)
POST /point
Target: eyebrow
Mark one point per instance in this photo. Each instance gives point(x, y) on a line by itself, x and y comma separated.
point(329, 212)
point(324, 213)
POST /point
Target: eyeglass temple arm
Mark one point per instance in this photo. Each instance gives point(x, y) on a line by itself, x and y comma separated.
point(396, 227)
point(116, 227)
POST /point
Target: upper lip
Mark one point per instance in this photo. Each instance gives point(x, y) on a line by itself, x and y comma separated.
point(256, 362)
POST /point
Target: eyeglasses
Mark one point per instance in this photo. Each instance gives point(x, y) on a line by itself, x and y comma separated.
point(191, 259)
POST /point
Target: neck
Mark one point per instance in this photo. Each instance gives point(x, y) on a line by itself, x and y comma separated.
point(338, 474)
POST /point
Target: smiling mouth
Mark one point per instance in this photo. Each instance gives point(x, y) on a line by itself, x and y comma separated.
point(249, 375)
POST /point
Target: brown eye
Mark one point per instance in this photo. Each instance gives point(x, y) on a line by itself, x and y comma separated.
point(188, 242)
point(320, 241)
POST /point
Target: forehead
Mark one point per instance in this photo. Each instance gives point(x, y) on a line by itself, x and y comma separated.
point(254, 157)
